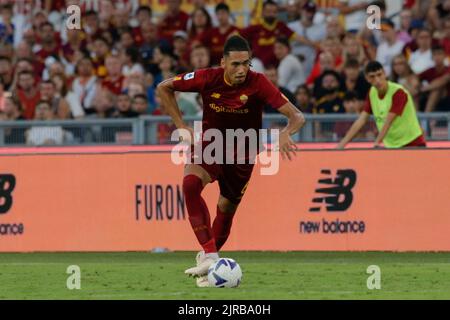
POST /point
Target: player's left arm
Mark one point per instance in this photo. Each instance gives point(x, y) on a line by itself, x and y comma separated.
point(399, 101)
point(296, 121)
point(387, 125)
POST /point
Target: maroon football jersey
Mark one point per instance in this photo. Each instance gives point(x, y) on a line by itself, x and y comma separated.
point(231, 107)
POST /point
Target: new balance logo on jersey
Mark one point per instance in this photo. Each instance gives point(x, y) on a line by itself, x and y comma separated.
point(189, 76)
point(335, 193)
point(7, 185)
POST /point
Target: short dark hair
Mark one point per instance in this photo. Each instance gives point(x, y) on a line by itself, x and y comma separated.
point(235, 43)
point(26, 72)
point(305, 88)
point(352, 63)
point(373, 66)
point(435, 48)
point(222, 6)
point(46, 24)
point(284, 41)
point(333, 73)
point(47, 82)
point(268, 3)
point(350, 96)
point(140, 96)
point(145, 9)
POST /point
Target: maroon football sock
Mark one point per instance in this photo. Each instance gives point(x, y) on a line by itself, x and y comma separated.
point(221, 227)
point(198, 212)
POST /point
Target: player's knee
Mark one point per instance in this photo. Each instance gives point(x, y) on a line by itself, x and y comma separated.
point(192, 186)
point(226, 206)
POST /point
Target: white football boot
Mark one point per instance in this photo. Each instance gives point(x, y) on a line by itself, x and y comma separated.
point(204, 261)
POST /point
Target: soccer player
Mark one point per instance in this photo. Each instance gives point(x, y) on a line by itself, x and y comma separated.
point(233, 98)
point(394, 112)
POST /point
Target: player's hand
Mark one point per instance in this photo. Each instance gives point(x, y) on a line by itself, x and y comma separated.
point(288, 148)
point(340, 146)
point(186, 134)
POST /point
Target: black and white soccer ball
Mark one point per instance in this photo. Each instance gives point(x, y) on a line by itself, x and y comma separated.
point(225, 272)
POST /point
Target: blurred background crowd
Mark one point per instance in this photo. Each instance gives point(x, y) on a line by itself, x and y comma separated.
point(314, 51)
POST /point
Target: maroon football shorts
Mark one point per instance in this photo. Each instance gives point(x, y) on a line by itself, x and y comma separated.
point(233, 178)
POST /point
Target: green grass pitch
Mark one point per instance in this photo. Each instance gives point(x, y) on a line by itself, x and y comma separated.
point(266, 275)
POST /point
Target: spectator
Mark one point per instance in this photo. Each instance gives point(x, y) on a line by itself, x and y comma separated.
point(45, 135)
point(406, 19)
point(104, 104)
point(438, 96)
point(6, 72)
point(200, 57)
point(354, 49)
point(139, 104)
point(290, 70)
point(310, 36)
point(262, 36)
point(331, 102)
point(354, 12)
point(404, 75)
point(114, 80)
point(175, 19)
point(60, 107)
point(130, 62)
point(6, 26)
point(201, 23)
point(390, 47)
point(85, 84)
point(27, 93)
point(215, 38)
point(100, 50)
point(181, 51)
point(352, 105)
point(124, 109)
point(49, 45)
point(63, 93)
point(303, 97)
point(272, 74)
point(354, 79)
point(421, 59)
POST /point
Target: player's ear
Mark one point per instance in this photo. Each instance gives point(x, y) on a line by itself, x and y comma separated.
point(222, 63)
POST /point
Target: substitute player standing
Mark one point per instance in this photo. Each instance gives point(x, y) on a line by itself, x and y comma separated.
point(394, 112)
point(233, 98)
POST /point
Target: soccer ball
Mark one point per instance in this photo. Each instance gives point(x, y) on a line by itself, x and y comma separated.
point(225, 272)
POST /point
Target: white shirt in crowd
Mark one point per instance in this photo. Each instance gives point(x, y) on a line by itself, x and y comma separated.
point(290, 73)
point(357, 19)
point(38, 136)
point(87, 92)
point(421, 61)
point(316, 32)
point(386, 53)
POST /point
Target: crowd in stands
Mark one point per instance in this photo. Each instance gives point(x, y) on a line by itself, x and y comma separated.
point(314, 51)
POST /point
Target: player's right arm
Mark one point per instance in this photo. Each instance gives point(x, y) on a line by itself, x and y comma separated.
point(354, 129)
point(166, 92)
point(189, 82)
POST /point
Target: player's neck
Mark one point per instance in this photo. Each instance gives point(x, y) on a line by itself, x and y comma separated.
point(227, 80)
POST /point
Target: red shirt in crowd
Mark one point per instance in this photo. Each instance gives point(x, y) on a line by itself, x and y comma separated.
point(28, 103)
point(215, 40)
point(262, 39)
point(113, 85)
point(170, 24)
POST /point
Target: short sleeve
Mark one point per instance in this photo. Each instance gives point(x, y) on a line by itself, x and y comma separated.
point(191, 82)
point(368, 105)
point(270, 94)
point(399, 101)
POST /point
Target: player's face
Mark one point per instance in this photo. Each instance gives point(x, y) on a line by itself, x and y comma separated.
point(236, 66)
point(377, 79)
